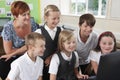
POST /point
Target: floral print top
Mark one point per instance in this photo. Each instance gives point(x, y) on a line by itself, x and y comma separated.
point(9, 34)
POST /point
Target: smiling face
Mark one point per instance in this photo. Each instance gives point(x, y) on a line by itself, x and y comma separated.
point(69, 45)
point(21, 12)
point(52, 19)
point(85, 29)
point(39, 48)
point(106, 44)
point(24, 18)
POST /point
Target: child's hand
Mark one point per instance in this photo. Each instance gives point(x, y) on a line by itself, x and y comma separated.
point(81, 76)
point(47, 61)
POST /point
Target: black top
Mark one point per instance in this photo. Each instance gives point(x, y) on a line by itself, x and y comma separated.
point(66, 68)
point(51, 45)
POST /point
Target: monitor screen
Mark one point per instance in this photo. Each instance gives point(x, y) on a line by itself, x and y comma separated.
point(3, 20)
point(109, 67)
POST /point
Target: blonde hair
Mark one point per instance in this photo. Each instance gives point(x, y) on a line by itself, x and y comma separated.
point(49, 8)
point(64, 36)
point(31, 38)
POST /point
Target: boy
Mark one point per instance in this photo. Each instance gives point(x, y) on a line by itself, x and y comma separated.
point(30, 65)
point(86, 40)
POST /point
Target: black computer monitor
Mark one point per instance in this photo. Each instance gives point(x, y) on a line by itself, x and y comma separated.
point(109, 67)
point(3, 20)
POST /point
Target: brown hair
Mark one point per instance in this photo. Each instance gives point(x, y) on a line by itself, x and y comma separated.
point(19, 7)
point(49, 8)
point(88, 18)
point(64, 36)
point(31, 38)
point(107, 34)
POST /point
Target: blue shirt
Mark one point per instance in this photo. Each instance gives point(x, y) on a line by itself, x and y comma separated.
point(9, 34)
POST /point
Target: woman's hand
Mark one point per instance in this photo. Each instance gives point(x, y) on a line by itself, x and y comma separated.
point(7, 56)
point(19, 51)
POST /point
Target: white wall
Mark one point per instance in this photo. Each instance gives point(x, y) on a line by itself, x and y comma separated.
point(44, 3)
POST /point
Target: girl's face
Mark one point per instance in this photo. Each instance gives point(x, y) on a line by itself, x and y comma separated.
point(53, 19)
point(39, 48)
point(106, 44)
point(85, 30)
point(24, 18)
point(69, 45)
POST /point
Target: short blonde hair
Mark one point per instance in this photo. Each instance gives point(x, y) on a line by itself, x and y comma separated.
point(49, 8)
point(31, 38)
point(64, 36)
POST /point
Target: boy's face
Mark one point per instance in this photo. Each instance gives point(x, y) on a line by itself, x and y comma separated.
point(85, 29)
point(53, 19)
point(39, 48)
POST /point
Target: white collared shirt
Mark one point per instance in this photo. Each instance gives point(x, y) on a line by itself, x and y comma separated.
point(95, 56)
point(51, 32)
point(54, 64)
point(83, 49)
point(24, 68)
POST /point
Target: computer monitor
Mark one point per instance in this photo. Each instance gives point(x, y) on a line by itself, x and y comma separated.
point(3, 20)
point(109, 67)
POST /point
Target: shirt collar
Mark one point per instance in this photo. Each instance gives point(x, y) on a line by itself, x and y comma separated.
point(29, 61)
point(48, 29)
point(65, 56)
point(78, 35)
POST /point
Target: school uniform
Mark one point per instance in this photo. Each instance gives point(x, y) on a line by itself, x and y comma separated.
point(51, 39)
point(95, 56)
point(63, 66)
point(83, 49)
point(24, 68)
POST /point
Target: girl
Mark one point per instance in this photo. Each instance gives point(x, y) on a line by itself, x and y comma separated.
point(106, 44)
point(64, 64)
point(51, 31)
